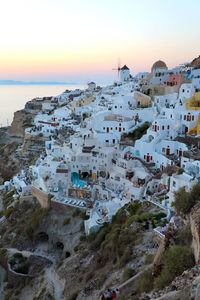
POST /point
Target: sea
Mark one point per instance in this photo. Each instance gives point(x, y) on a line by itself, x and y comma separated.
point(14, 97)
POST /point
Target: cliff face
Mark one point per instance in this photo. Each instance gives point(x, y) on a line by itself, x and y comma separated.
point(195, 229)
point(22, 119)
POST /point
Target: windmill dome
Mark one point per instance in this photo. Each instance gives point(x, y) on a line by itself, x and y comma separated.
point(159, 65)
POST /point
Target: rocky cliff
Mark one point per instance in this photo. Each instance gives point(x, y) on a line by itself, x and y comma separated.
point(22, 119)
point(195, 230)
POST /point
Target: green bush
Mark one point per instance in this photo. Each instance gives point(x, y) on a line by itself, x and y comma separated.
point(184, 200)
point(101, 280)
point(138, 132)
point(176, 260)
point(82, 238)
point(128, 273)
point(66, 221)
point(133, 208)
point(73, 296)
point(180, 171)
point(3, 251)
point(99, 238)
point(38, 214)
point(148, 259)
point(76, 212)
point(145, 282)
point(8, 212)
point(185, 236)
point(59, 264)
point(82, 226)
point(124, 258)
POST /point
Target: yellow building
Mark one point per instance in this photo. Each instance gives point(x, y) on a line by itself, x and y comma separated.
point(142, 100)
point(194, 102)
point(82, 101)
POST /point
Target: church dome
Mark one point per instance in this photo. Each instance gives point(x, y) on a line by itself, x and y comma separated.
point(159, 65)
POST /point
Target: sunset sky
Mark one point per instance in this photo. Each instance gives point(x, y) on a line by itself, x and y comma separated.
point(81, 40)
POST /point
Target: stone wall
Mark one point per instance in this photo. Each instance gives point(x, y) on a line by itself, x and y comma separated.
point(42, 197)
point(60, 206)
point(14, 279)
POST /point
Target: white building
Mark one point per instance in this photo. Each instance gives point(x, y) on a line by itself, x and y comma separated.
point(124, 73)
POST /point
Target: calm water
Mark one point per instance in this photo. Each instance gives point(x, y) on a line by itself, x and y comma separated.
point(14, 97)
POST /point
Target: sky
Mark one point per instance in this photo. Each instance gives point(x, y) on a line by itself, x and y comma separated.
point(82, 40)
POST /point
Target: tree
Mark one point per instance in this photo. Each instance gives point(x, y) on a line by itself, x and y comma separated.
point(184, 201)
point(176, 260)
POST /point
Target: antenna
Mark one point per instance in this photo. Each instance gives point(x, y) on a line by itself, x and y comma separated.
point(118, 67)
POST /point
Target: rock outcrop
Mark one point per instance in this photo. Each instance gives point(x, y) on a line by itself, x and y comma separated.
point(22, 119)
point(195, 230)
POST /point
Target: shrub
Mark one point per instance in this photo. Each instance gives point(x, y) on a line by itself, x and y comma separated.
point(82, 226)
point(66, 221)
point(133, 208)
point(128, 273)
point(101, 280)
point(176, 260)
point(3, 251)
point(124, 258)
point(145, 282)
point(180, 171)
point(99, 238)
point(185, 236)
point(82, 238)
point(148, 259)
point(36, 218)
point(73, 296)
point(59, 264)
point(76, 212)
point(8, 212)
point(184, 201)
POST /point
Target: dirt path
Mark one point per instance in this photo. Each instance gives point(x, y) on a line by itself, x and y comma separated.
point(55, 285)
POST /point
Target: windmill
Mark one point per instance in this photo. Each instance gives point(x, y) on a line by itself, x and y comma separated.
point(118, 68)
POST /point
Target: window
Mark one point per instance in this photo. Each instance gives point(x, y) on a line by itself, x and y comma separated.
point(174, 183)
point(111, 128)
point(115, 106)
point(163, 127)
point(123, 129)
point(115, 128)
point(183, 90)
point(107, 141)
point(103, 128)
point(163, 150)
point(168, 127)
point(192, 118)
point(185, 117)
point(113, 141)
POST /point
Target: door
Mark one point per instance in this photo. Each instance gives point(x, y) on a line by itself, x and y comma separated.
point(168, 151)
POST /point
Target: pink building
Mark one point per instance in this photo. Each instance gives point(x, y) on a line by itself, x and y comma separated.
point(175, 79)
